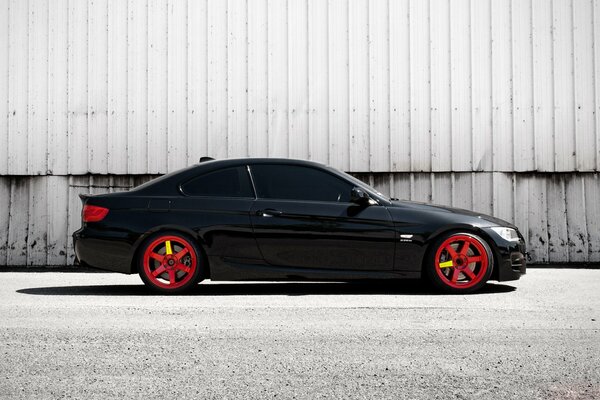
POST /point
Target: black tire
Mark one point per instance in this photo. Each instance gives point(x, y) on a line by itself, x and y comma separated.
point(452, 268)
point(171, 262)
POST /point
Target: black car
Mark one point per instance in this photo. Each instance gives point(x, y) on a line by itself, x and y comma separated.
point(280, 219)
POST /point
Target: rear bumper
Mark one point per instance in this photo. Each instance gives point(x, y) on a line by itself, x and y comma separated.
point(97, 249)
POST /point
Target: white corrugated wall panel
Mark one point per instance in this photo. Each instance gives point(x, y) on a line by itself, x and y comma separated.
point(137, 89)
point(197, 79)
point(420, 88)
point(58, 101)
point(358, 85)
point(158, 110)
point(462, 93)
point(543, 85)
point(258, 114)
point(4, 30)
point(583, 61)
point(37, 110)
point(297, 78)
point(338, 83)
point(98, 86)
point(460, 88)
point(237, 47)
point(18, 68)
point(147, 86)
point(441, 125)
point(379, 89)
point(176, 86)
point(564, 114)
point(400, 77)
point(117, 87)
point(318, 78)
point(77, 90)
point(501, 57)
point(217, 79)
point(522, 90)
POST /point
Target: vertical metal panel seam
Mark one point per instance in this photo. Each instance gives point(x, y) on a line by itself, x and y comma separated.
point(512, 92)
point(430, 96)
point(553, 89)
point(595, 84)
point(267, 152)
point(127, 83)
point(533, 99)
point(48, 92)
point(450, 86)
point(585, 219)
point(248, 79)
point(574, 118)
point(168, 100)
point(187, 80)
point(206, 80)
point(349, 141)
point(491, 89)
point(48, 212)
point(472, 163)
point(106, 156)
point(328, 86)
point(87, 82)
point(389, 96)
point(409, 114)
point(27, 85)
point(368, 64)
point(308, 105)
point(563, 192)
point(8, 20)
point(227, 80)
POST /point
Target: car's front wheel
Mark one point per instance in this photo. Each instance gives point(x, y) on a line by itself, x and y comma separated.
point(459, 263)
point(169, 262)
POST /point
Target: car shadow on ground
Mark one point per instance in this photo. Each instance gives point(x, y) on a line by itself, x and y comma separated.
point(407, 287)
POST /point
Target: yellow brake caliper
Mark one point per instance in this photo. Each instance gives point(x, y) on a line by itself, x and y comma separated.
point(168, 246)
point(446, 264)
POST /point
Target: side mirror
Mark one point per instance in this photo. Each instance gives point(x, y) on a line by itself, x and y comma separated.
point(359, 196)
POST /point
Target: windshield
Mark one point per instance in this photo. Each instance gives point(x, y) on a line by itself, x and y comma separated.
point(363, 185)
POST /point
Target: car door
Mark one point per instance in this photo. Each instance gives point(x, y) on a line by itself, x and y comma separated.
point(303, 218)
point(217, 206)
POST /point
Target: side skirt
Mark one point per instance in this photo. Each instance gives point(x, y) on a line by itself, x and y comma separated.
point(229, 269)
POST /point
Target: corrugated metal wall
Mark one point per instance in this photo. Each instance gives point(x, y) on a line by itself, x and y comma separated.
point(558, 213)
point(436, 93)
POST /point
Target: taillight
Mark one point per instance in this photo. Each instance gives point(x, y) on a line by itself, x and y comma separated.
point(94, 213)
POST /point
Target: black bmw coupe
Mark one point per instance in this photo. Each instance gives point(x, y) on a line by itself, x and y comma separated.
point(280, 219)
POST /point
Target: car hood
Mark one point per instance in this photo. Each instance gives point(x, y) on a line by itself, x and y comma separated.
point(446, 213)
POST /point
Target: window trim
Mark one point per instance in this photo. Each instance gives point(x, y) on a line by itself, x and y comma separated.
point(252, 189)
point(297, 200)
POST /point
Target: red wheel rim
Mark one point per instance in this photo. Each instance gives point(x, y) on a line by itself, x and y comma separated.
point(461, 261)
point(170, 262)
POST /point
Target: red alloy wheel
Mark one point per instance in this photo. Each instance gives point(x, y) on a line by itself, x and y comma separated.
point(170, 262)
point(461, 261)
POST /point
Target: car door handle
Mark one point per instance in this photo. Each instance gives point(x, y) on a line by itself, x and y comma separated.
point(269, 212)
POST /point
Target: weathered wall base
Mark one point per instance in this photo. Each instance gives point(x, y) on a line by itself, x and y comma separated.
point(558, 213)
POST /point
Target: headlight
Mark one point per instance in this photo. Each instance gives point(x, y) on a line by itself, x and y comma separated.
point(506, 233)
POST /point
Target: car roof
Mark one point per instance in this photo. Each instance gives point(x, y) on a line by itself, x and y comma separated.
point(170, 181)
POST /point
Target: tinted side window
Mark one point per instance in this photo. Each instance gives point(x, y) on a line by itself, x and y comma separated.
point(229, 182)
point(298, 183)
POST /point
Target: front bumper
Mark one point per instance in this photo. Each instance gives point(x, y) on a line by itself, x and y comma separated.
point(510, 257)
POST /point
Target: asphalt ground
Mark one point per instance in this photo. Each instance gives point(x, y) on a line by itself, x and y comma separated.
point(99, 336)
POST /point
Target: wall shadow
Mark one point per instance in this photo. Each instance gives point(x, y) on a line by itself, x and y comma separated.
point(406, 287)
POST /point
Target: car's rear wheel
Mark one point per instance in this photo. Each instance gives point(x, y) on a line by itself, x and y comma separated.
point(170, 262)
point(459, 263)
